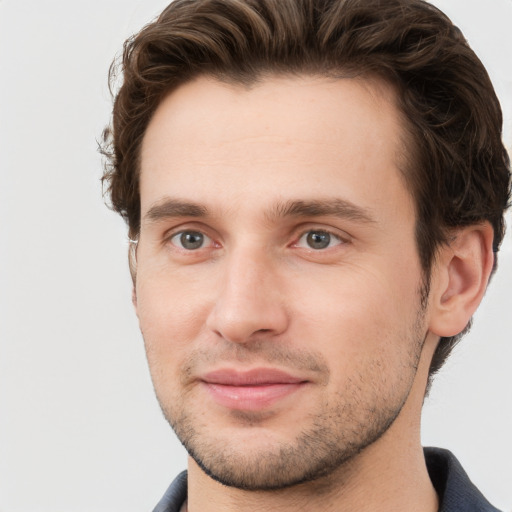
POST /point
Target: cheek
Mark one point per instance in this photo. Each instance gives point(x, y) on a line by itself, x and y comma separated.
point(171, 319)
point(357, 314)
point(169, 298)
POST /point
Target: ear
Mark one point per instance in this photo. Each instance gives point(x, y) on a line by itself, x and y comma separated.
point(460, 278)
point(132, 264)
point(134, 297)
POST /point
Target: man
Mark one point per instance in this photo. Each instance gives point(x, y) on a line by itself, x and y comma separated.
point(315, 193)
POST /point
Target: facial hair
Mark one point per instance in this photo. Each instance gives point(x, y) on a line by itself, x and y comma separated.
point(333, 434)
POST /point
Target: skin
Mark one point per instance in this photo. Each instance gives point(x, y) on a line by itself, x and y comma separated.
point(232, 168)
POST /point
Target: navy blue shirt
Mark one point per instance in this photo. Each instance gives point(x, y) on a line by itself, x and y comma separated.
point(452, 484)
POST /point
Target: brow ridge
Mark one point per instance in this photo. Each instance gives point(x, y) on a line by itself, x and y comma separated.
point(169, 207)
point(325, 207)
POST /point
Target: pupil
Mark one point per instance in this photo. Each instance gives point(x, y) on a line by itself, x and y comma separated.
point(191, 240)
point(318, 239)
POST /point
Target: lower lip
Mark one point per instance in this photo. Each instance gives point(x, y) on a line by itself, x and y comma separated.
point(251, 398)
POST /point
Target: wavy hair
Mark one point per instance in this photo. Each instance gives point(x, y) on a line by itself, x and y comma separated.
point(458, 171)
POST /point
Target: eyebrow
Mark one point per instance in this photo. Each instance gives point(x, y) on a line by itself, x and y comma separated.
point(172, 208)
point(327, 207)
point(169, 208)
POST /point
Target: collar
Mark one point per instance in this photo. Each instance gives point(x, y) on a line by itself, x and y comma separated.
point(455, 490)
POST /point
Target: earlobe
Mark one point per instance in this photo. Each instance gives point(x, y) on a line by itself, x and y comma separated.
point(460, 278)
point(134, 298)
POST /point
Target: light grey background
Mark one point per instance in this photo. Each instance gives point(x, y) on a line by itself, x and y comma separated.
point(80, 429)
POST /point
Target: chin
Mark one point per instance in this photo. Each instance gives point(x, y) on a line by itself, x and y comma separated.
point(255, 458)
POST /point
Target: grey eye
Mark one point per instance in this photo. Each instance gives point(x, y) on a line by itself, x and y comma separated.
point(190, 240)
point(318, 240)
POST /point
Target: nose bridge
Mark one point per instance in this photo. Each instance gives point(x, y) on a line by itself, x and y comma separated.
point(248, 300)
point(247, 267)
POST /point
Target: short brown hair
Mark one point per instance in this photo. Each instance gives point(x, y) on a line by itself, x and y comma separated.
point(458, 170)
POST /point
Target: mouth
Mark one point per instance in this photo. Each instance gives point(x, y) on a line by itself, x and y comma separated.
point(252, 390)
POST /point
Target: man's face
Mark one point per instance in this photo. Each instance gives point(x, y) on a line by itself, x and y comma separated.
point(278, 282)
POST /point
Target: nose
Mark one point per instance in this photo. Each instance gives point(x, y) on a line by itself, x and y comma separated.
point(249, 303)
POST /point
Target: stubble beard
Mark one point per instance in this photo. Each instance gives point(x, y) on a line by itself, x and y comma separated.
point(330, 442)
point(332, 438)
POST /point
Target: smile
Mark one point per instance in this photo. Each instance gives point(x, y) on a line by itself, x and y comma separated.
point(250, 391)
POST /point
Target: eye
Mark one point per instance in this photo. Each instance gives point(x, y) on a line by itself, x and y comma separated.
point(190, 240)
point(318, 239)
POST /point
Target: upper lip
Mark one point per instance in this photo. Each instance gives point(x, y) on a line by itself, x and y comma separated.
point(254, 377)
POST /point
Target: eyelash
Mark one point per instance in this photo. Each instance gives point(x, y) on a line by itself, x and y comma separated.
point(180, 234)
point(173, 239)
point(331, 235)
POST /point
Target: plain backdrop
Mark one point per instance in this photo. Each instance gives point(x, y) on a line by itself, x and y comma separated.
point(80, 429)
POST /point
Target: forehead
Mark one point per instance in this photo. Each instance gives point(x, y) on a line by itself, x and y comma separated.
point(283, 136)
